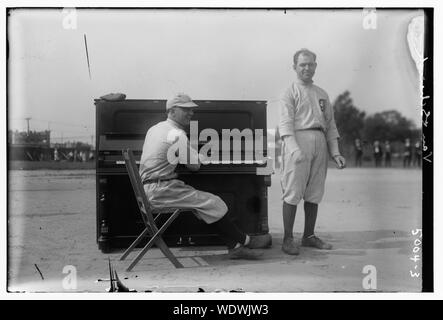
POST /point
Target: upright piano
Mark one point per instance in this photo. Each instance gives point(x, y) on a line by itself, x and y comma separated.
point(123, 124)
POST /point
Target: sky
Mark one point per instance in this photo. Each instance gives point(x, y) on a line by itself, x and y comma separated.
point(241, 54)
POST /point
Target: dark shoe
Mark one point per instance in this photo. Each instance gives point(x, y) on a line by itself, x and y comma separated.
point(290, 247)
point(315, 242)
point(260, 241)
point(244, 253)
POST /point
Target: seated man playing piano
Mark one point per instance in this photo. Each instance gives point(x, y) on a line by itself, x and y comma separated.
point(157, 171)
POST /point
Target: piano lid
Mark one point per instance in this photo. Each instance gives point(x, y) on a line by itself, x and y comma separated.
point(135, 117)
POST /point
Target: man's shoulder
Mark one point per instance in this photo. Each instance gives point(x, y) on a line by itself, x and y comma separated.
point(167, 128)
point(320, 90)
point(292, 86)
point(290, 89)
point(161, 125)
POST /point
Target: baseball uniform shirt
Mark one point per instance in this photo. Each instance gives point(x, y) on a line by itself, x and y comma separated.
point(154, 164)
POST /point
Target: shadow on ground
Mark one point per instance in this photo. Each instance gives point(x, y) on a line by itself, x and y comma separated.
point(344, 244)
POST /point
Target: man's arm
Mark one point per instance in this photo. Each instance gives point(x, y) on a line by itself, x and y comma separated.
point(193, 162)
point(332, 137)
point(181, 151)
point(287, 119)
point(335, 153)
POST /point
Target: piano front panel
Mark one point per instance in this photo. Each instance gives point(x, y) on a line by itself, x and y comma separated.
point(245, 196)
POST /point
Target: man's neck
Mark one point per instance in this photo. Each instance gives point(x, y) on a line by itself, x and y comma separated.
point(176, 123)
point(303, 82)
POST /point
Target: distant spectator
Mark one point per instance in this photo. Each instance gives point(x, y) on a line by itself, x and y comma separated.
point(417, 154)
point(407, 154)
point(378, 153)
point(358, 152)
point(56, 156)
point(387, 154)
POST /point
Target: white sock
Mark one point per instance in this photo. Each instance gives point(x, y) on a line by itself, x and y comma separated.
point(248, 239)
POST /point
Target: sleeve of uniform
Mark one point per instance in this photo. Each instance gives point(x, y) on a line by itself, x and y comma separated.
point(189, 154)
point(331, 128)
point(193, 155)
point(332, 134)
point(287, 114)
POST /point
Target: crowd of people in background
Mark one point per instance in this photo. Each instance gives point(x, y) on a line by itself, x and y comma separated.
point(74, 155)
point(382, 153)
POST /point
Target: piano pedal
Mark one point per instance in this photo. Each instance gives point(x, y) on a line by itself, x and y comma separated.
point(190, 241)
point(180, 241)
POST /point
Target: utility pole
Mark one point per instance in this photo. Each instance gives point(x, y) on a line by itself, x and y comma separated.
point(27, 120)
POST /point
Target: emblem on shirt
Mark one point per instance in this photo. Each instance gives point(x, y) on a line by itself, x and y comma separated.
point(322, 103)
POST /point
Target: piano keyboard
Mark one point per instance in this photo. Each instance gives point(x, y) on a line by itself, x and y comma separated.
point(223, 162)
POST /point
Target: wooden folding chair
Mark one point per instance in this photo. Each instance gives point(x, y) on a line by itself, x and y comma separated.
point(147, 212)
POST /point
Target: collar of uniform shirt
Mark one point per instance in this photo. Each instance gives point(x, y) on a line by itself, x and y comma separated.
point(299, 81)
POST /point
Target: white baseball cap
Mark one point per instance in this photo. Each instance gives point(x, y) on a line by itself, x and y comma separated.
point(180, 100)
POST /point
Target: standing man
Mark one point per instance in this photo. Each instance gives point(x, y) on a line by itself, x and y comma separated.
point(358, 152)
point(417, 154)
point(308, 131)
point(387, 154)
point(378, 153)
point(407, 153)
point(158, 162)
point(56, 158)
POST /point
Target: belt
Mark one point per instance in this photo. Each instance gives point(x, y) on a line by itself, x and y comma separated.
point(311, 129)
point(146, 181)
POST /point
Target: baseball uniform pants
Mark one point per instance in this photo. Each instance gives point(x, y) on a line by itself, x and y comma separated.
point(305, 179)
point(175, 193)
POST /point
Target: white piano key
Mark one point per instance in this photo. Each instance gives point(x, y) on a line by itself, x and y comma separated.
point(123, 162)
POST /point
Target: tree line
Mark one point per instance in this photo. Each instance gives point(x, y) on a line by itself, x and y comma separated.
point(353, 124)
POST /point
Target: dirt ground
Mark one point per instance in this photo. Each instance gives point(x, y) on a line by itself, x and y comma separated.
point(367, 214)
